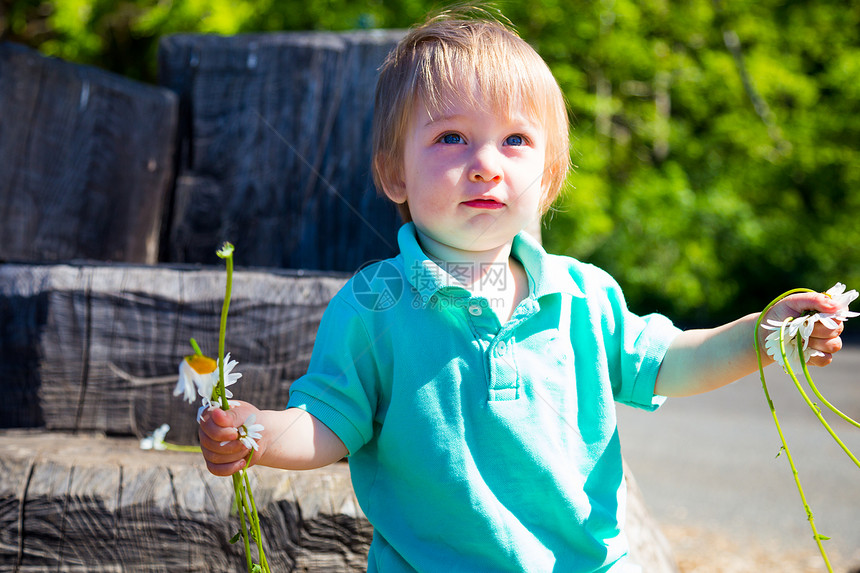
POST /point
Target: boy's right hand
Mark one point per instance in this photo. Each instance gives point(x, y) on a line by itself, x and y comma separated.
point(218, 427)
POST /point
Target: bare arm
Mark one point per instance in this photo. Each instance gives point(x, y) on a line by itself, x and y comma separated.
point(702, 360)
point(291, 439)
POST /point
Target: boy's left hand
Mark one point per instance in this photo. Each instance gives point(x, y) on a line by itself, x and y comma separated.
point(824, 339)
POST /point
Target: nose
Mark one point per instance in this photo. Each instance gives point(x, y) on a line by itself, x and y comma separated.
point(485, 165)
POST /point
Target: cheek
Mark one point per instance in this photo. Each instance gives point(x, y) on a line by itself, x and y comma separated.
point(532, 183)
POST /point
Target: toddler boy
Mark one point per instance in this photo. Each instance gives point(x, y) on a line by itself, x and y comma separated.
point(471, 380)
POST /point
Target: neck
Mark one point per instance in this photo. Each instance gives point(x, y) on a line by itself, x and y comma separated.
point(493, 274)
point(471, 268)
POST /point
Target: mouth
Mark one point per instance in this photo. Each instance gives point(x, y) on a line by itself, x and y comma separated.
point(484, 204)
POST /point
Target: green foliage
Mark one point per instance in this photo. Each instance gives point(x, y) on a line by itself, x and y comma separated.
point(724, 174)
point(715, 143)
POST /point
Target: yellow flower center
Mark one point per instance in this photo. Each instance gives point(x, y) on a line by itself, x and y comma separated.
point(201, 364)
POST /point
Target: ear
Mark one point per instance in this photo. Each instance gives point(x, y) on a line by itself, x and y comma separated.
point(389, 175)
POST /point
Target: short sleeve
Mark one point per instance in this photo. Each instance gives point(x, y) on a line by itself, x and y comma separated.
point(646, 340)
point(634, 345)
point(340, 387)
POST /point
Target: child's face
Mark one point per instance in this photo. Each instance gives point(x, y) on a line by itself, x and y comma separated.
point(472, 177)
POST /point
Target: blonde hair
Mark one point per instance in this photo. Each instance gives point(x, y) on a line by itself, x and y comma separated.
point(436, 60)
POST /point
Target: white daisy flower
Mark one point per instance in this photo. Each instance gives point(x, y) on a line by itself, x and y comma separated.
point(843, 299)
point(771, 344)
point(249, 432)
point(802, 325)
point(207, 390)
point(195, 372)
point(155, 440)
point(230, 377)
point(798, 330)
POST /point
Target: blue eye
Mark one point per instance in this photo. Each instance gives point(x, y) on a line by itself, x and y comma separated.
point(515, 140)
point(451, 138)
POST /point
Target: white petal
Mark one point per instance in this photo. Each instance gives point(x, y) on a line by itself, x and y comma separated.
point(806, 326)
point(230, 377)
point(185, 385)
point(836, 289)
point(775, 324)
point(249, 443)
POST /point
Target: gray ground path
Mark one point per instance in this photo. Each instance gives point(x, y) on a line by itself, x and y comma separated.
point(709, 462)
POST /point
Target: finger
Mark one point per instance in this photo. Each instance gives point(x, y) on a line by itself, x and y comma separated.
point(226, 469)
point(821, 330)
point(215, 432)
point(814, 301)
point(231, 445)
point(821, 360)
point(827, 345)
point(221, 458)
point(226, 418)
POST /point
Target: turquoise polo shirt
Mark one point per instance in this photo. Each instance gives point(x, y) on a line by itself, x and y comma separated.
point(476, 445)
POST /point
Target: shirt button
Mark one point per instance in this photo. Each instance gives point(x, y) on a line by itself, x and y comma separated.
point(475, 309)
point(501, 348)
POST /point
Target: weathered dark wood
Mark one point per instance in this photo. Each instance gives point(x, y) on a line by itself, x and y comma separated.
point(97, 347)
point(97, 505)
point(86, 161)
point(87, 503)
point(274, 148)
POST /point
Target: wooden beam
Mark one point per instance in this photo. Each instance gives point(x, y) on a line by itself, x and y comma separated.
point(97, 347)
point(274, 148)
point(90, 503)
point(86, 161)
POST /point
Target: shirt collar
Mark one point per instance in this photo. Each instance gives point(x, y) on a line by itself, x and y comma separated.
point(424, 275)
point(428, 278)
point(545, 275)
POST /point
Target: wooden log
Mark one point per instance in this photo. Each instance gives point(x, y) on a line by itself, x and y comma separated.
point(88, 503)
point(98, 505)
point(649, 548)
point(274, 148)
point(97, 347)
point(86, 161)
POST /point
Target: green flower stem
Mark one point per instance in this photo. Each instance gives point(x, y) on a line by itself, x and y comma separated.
point(241, 485)
point(818, 537)
point(779, 428)
point(815, 409)
point(824, 401)
point(255, 519)
point(196, 348)
point(240, 504)
point(226, 253)
point(179, 448)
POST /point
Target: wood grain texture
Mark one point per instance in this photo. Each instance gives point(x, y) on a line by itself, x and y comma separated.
point(86, 161)
point(92, 504)
point(274, 148)
point(97, 347)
